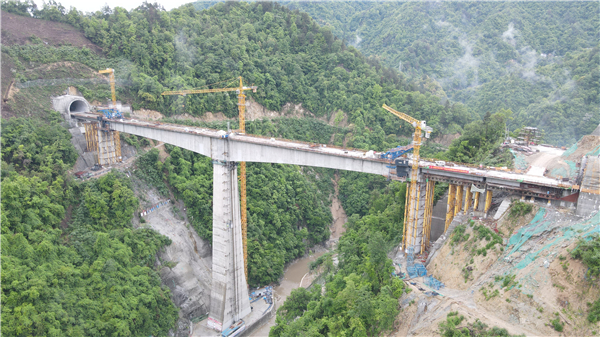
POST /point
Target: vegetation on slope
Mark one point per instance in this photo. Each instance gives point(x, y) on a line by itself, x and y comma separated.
point(538, 60)
point(361, 298)
point(589, 253)
point(451, 328)
point(287, 206)
point(72, 265)
point(285, 53)
point(479, 144)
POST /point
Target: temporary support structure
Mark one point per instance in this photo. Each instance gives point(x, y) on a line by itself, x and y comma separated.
point(105, 142)
point(476, 203)
point(488, 201)
point(428, 212)
point(413, 198)
point(458, 201)
point(450, 210)
point(405, 228)
point(109, 147)
point(91, 136)
point(242, 118)
point(468, 199)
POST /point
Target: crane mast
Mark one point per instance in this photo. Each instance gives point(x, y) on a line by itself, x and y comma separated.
point(111, 73)
point(242, 117)
point(412, 201)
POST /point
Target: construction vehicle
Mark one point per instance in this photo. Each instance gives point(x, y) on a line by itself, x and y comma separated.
point(397, 152)
point(235, 329)
point(111, 113)
point(242, 116)
point(412, 200)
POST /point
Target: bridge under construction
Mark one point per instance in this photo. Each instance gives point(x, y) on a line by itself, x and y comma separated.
point(470, 190)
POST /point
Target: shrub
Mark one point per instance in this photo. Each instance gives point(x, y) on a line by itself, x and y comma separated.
point(557, 325)
point(519, 209)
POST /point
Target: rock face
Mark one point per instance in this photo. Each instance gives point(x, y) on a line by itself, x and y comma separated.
point(85, 159)
point(186, 263)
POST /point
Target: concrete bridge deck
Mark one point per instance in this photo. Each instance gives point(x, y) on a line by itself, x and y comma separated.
point(250, 148)
point(229, 299)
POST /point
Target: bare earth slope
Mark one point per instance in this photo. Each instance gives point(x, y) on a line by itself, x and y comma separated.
point(17, 29)
point(547, 282)
point(33, 101)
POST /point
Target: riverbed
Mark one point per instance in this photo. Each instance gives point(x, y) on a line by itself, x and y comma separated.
point(293, 275)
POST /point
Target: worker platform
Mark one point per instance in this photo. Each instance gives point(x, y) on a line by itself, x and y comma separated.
point(261, 313)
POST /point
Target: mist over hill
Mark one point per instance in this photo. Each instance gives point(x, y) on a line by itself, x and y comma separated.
point(539, 60)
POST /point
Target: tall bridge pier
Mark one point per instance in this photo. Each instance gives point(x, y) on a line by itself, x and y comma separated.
point(229, 295)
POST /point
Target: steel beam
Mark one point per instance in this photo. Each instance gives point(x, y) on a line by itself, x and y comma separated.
point(406, 205)
point(428, 212)
point(468, 199)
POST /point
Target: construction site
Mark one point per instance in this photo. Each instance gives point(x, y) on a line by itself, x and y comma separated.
point(565, 200)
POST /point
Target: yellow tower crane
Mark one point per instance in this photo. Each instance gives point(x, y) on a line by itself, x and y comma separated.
point(412, 202)
point(111, 73)
point(242, 109)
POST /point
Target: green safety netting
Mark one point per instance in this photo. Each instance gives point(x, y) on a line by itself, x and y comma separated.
point(559, 171)
point(594, 152)
point(572, 168)
point(520, 162)
point(543, 222)
point(570, 151)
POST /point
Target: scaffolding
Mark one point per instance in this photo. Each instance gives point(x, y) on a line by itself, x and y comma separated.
point(105, 142)
point(450, 210)
point(428, 213)
point(421, 270)
point(433, 283)
point(91, 139)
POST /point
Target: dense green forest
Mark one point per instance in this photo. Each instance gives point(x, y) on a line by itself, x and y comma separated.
point(539, 60)
point(69, 248)
point(285, 53)
point(361, 296)
point(72, 265)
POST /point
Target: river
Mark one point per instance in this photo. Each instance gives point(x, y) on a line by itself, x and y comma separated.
point(292, 276)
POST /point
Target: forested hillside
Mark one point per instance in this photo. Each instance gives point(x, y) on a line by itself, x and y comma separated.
point(361, 298)
point(539, 60)
point(72, 265)
point(285, 53)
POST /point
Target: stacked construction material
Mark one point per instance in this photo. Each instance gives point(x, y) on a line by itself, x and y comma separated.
point(410, 263)
point(154, 208)
point(421, 271)
point(433, 283)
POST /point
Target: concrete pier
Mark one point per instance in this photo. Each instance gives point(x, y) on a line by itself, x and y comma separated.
point(229, 296)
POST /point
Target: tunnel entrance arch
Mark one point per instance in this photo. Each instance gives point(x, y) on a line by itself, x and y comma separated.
point(79, 105)
point(68, 104)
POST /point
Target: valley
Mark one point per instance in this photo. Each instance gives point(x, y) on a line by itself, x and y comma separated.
point(127, 250)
